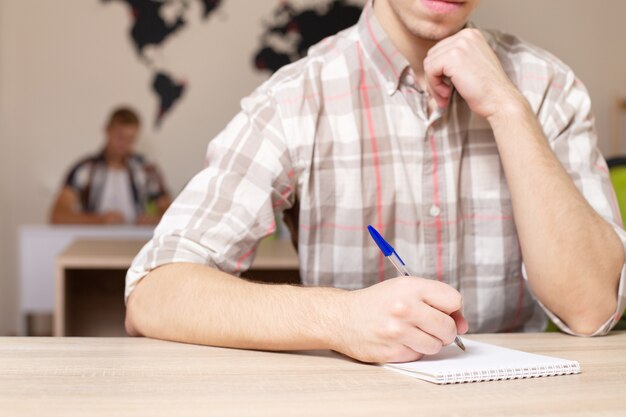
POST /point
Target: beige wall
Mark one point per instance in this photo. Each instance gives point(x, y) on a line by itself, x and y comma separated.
point(64, 64)
point(589, 36)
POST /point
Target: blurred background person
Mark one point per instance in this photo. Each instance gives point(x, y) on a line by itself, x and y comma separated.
point(114, 186)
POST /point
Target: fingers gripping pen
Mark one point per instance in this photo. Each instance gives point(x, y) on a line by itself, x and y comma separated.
point(391, 254)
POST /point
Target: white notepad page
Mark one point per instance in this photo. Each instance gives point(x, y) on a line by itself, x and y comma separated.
point(483, 362)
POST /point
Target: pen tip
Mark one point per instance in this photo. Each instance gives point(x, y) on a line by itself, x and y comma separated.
point(459, 343)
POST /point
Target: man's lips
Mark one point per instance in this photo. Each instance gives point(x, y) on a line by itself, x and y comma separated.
point(442, 6)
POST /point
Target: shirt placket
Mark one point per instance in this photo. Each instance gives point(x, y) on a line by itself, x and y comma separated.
point(432, 208)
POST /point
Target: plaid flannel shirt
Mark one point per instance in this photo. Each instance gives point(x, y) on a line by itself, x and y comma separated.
point(342, 139)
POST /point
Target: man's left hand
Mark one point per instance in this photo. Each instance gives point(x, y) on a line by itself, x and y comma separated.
point(469, 63)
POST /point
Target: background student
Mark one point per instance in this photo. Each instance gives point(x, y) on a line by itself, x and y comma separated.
point(115, 185)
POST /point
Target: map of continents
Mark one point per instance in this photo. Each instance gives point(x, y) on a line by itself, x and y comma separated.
point(150, 27)
point(285, 39)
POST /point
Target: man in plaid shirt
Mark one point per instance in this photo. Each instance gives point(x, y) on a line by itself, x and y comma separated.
point(472, 152)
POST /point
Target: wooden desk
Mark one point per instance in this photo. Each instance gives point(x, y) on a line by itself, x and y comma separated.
point(143, 377)
point(39, 246)
point(91, 274)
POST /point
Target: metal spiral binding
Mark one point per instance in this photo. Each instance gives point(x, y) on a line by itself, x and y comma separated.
point(507, 373)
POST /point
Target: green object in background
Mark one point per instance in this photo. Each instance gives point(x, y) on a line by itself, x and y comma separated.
point(551, 327)
point(151, 208)
point(618, 178)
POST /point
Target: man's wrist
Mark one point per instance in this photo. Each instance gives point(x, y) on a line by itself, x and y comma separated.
point(513, 106)
point(331, 309)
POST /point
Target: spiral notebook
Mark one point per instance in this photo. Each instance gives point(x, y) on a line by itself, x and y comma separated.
point(483, 362)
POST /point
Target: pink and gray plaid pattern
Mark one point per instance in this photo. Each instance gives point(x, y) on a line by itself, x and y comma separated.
point(343, 139)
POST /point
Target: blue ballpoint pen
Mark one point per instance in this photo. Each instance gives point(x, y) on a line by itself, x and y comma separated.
point(391, 254)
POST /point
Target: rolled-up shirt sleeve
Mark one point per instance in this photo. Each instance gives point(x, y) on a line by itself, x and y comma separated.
point(227, 208)
point(569, 127)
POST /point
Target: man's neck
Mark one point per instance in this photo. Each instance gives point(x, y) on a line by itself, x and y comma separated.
point(114, 161)
point(413, 48)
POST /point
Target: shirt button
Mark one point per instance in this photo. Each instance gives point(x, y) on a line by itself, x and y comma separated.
point(410, 80)
point(435, 210)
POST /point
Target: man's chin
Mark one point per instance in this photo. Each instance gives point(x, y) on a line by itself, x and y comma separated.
point(435, 33)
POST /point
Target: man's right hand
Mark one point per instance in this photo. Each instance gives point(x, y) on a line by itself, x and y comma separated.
point(112, 217)
point(400, 320)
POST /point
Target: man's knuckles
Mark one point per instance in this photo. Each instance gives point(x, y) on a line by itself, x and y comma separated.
point(400, 309)
point(392, 331)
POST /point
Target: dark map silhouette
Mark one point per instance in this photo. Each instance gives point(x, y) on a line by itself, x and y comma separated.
point(292, 32)
point(309, 25)
point(169, 91)
point(150, 28)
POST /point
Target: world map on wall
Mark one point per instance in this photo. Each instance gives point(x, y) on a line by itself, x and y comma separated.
point(285, 39)
point(150, 27)
point(295, 31)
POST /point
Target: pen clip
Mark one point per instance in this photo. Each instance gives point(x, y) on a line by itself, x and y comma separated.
point(399, 258)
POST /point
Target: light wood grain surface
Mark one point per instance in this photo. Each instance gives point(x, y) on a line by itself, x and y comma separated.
point(143, 377)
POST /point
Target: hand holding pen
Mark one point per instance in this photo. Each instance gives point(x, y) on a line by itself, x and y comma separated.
point(398, 263)
point(397, 320)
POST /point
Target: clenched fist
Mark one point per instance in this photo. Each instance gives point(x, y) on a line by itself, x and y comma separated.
point(399, 320)
point(466, 61)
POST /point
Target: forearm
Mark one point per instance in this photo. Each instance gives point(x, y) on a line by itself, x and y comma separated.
point(573, 257)
point(198, 304)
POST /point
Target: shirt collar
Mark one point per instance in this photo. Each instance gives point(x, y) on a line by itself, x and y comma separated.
point(385, 57)
point(389, 62)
